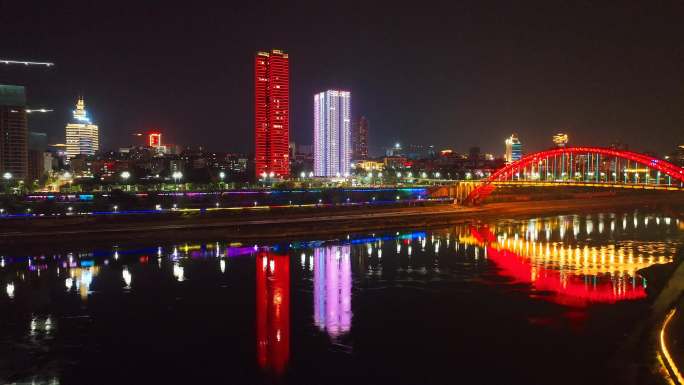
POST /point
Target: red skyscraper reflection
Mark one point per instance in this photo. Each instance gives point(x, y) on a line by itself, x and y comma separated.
point(272, 113)
point(273, 310)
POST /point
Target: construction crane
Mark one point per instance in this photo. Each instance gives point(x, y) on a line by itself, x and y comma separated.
point(27, 63)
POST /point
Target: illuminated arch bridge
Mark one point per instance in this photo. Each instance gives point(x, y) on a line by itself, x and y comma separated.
point(584, 166)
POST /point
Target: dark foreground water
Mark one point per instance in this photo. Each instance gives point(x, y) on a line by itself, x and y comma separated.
point(538, 301)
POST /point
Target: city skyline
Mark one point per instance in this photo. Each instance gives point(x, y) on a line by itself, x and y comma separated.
point(188, 192)
point(491, 86)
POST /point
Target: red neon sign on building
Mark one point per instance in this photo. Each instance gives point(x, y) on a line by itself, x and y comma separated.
point(154, 139)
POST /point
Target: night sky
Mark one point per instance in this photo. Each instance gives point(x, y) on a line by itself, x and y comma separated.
point(454, 74)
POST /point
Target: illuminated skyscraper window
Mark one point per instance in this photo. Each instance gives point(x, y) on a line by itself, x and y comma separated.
point(272, 113)
point(513, 149)
point(332, 133)
point(82, 137)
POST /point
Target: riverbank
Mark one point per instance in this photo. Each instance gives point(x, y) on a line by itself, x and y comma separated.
point(280, 223)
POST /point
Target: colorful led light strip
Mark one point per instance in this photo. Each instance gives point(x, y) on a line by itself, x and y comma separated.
point(669, 364)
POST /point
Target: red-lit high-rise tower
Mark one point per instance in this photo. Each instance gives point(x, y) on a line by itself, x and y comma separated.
point(272, 114)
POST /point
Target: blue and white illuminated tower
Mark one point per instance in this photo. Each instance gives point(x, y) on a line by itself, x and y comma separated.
point(332, 133)
point(82, 137)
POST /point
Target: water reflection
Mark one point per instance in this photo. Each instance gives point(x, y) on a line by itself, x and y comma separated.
point(571, 260)
point(576, 270)
point(10, 290)
point(273, 310)
point(332, 289)
point(83, 278)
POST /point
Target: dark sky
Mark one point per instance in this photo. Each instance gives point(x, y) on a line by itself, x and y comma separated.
point(453, 74)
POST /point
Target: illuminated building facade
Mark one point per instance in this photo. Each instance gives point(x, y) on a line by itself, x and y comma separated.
point(332, 133)
point(272, 113)
point(332, 289)
point(13, 132)
point(273, 310)
point(82, 137)
point(513, 149)
point(360, 139)
point(560, 139)
point(370, 165)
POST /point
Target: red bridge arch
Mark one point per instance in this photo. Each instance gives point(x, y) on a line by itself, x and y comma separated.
point(539, 158)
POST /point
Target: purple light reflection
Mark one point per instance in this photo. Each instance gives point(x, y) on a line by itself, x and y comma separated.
point(332, 289)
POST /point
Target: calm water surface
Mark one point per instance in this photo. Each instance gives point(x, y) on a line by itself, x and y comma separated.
point(537, 301)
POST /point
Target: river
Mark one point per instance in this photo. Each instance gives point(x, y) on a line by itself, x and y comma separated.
point(534, 301)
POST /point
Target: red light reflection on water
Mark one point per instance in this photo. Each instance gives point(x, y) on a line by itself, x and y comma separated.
point(565, 287)
point(273, 311)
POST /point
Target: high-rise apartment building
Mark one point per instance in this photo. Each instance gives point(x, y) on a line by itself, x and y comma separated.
point(82, 137)
point(513, 149)
point(360, 139)
point(272, 113)
point(13, 132)
point(332, 133)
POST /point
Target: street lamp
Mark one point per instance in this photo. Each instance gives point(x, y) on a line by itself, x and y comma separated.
point(302, 174)
point(222, 175)
point(7, 176)
point(125, 175)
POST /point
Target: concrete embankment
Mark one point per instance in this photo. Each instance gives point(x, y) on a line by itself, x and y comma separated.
point(37, 234)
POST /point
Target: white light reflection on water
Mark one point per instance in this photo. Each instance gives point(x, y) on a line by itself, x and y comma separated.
point(332, 289)
point(178, 272)
point(10, 290)
point(127, 277)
